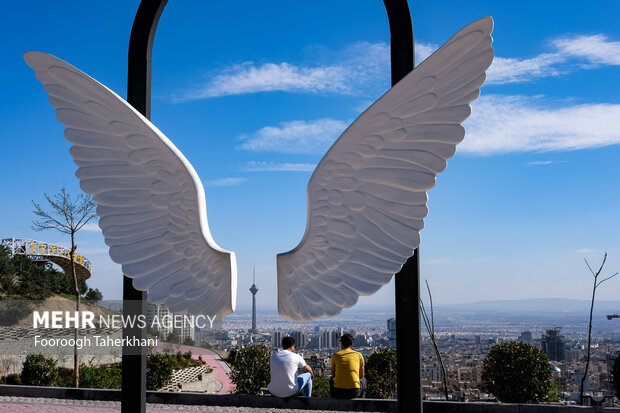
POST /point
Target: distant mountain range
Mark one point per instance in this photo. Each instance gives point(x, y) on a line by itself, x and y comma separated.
point(534, 305)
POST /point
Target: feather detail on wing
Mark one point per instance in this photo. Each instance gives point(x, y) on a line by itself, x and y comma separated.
point(150, 201)
point(367, 197)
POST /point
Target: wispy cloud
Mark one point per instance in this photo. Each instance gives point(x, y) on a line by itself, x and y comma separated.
point(350, 71)
point(584, 250)
point(502, 124)
point(512, 70)
point(595, 49)
point(544, 162)
point(249, 78)
point(91, 226)
point(226, 182)
point(278, 167)
point(301, 137)
point(570, 52)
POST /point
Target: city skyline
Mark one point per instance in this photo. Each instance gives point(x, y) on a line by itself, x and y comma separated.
point(254, 103)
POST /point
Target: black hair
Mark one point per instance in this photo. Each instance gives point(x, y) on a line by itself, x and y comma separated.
point(346, 340)
point(288, 342)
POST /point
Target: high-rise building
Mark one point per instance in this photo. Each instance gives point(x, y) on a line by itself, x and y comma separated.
point(525, 337)
point(277, 339)
point(160, 318)
point(253, 290)
point(187, 331)
point(301, 339)
point(553, 344)
point(361, 340)
point(326, 339)
point(391, 332)
point(336, 334)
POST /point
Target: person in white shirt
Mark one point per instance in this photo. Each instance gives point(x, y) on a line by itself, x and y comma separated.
point(285, 382)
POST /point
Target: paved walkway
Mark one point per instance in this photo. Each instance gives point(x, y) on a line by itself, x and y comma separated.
point(213, 360)
point(28, 405)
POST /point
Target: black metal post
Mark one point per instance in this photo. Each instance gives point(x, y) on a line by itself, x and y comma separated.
point(133, 396)
point(407, 281)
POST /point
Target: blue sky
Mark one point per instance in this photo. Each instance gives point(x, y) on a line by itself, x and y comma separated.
point(254, 95)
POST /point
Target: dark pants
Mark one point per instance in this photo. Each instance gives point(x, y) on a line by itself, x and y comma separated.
point(338, 393)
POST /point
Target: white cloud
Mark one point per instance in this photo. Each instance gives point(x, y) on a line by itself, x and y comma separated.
point(353, 70)
point(269, 77)
point(298, 136)
point(511, 70)
point(254, 166)
point(592, 51)
point(502, 124)
point(226, 182)
point(584, 250)
point(596, 49)
point(91, 226)
point(544, 162)
point(423, 51)
point(362, 67)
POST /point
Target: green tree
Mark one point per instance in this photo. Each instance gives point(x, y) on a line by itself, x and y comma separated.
point(68, 216)
point(320, 386)
point(158, 370)
point(250, 372)
point(93, 295)
point(381, 374)
point(38, 370)
point(517, 373)
point(616, 375)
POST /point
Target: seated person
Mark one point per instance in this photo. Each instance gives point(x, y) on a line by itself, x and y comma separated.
point(285, 382)
point(347, 371)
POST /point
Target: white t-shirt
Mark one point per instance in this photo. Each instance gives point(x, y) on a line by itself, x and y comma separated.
point(284, 365)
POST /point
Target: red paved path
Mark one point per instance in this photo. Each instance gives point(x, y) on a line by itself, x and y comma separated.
point(212, 359)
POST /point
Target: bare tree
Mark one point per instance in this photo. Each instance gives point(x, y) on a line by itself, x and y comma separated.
point(67, 216)
point(430, 327)
point(594, 287)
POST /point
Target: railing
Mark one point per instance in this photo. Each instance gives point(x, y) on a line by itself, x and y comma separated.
point(43, 251)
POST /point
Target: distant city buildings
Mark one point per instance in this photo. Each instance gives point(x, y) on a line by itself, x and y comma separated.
point(464, 344)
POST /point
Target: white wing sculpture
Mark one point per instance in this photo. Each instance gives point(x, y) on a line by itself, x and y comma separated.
point(150, 201)
point(367, 196)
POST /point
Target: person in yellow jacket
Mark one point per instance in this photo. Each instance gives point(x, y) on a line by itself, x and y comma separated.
point(347, 366)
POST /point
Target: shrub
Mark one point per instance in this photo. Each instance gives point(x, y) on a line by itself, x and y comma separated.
point(107, 376)
point(517, 373)
point(39, 370)
point(250, 372)
point(158, 370)
point(381, 374)
point(320, 386)
point(65, 377)
point(13, 379)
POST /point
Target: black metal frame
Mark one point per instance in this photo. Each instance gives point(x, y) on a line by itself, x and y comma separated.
point(133, 395)
point(407, 280)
